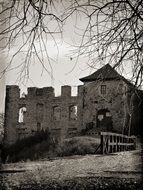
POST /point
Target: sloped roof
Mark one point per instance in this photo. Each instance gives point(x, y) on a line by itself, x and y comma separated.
point(105, 73)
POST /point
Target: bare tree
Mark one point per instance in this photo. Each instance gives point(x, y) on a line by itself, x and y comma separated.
point(1, 121)
point(113, 33)
point(29, 24)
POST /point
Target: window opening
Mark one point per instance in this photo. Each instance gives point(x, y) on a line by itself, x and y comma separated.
point(22, 112)
point(103, 89)
point(73, 113)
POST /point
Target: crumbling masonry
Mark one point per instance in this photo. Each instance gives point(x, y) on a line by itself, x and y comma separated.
point(103, 103)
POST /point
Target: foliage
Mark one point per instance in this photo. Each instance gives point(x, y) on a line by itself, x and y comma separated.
point(29, 148)
point(77, 146)
point(44, 146)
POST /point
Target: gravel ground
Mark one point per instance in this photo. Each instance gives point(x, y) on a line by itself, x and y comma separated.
point(76, 172)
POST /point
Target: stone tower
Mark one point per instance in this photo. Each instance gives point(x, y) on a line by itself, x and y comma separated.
point(11, 114)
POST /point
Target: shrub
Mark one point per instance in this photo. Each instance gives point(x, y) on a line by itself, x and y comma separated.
point(28, 148)
point(77, 146)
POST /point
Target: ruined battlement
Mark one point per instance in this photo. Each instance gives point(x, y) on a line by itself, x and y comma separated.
point(46, 91)
point(13, 91)
point(39, 109)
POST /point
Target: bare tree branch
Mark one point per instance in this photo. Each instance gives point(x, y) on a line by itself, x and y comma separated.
point(113, 32)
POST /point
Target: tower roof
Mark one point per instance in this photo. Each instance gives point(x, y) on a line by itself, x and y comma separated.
point(105, 73)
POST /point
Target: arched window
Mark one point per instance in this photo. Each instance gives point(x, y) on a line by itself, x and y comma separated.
point(73, 112)
point(22, 112)
point(57, 113)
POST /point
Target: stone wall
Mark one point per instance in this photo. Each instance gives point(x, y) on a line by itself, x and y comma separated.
point(114, 101)
point(66, 115)
point(11, 114)
point(40, 109)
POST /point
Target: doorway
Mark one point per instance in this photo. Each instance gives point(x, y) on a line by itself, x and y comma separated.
point(104, 120)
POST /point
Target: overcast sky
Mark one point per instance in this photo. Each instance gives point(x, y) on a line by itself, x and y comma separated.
point(66, 69)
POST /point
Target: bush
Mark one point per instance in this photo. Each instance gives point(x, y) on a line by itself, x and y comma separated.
point(77, 146)
point(43, 145)
point(31, 147)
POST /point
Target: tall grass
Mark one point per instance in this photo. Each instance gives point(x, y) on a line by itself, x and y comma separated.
point(78, 146)
point(44, 145)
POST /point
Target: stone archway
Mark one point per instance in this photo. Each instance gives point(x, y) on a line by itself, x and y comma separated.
point(104, 120)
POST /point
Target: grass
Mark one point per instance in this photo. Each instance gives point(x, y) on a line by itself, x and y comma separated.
point(77, 172)
point(78, 146)
point(77, 184)
point(29, 148)
point(42, 146)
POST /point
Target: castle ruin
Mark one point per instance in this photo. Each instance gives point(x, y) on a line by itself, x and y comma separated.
point(104, 102)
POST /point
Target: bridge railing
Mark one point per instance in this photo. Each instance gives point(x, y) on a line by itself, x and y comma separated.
point(113, 142)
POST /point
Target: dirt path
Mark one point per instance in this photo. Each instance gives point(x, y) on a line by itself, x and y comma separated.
point(122, 168)
point(119, 164)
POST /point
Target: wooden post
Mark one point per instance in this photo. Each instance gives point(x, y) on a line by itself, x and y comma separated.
point(108, 144)
point(117, 143)
point(111, 146)
point(102, 148)
point(122, 143)
point(125, 143)
point(135, 142)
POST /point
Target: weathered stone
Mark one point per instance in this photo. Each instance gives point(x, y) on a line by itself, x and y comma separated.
point(106, 104)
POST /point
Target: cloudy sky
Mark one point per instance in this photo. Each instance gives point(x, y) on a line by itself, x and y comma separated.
point(66, 70)
point(63, 69)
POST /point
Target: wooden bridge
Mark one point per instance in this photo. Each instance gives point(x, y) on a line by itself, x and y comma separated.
point(113, 142)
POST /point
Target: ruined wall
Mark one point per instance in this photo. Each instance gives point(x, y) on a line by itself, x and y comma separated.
point(40, 109)
point(113, 100)
point(66, 114)
point(11, 114)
